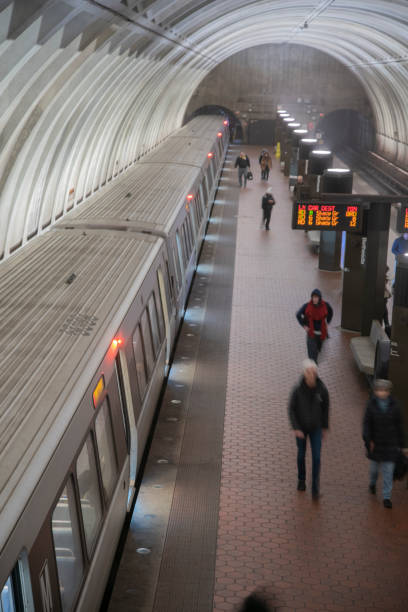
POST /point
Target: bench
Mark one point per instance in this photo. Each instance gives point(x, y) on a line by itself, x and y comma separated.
point(364, 347)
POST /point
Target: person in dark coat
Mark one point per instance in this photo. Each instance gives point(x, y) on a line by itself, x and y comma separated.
point(383, 435)
point(242, 163)
point(314, 316)
point(265, 161)
point(309, 418)
point(254, 603)
point(268, 202)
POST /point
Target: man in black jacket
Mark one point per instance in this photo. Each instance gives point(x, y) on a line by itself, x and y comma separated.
point(243, 164)
point(309, 417)
point(268, 202)
point(383, 435)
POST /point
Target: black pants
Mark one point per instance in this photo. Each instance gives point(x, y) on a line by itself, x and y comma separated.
point(267, 218)
point(314, 346)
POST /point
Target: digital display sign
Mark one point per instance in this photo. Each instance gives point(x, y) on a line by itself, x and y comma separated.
point(315, 215)
point(402, 219)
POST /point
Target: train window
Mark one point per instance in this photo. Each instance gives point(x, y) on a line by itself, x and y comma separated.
point(122, 398)
point(194, 217)
point(204, 187)
point(147, 342)
point(91, 506)
point(200, 208)
point(180, 259)
point(210, 179)
point(140, 361)
point(106, 448)
point(160, 316)
point(67, 545)
point(154, 324)
point(16, 594)
point(186, 239)
point(8, 602)
point(168, 285)
point(190, 231)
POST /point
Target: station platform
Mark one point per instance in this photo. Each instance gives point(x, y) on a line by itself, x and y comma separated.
point(218, 514)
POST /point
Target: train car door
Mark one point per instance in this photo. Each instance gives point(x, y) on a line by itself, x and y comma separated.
point(125, 395)
point(165, 314)
point(43, 571)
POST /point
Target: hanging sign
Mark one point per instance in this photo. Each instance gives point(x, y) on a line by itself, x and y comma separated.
point(315, 215)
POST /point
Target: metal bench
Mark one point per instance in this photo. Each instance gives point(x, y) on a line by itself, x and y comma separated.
point(364, 348)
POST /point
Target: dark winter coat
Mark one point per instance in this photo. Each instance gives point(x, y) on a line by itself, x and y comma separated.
point(267, 203)
point(384, 428)
point(242, 162)
point(309, 407)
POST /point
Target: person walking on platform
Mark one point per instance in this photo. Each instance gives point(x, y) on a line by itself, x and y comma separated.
point(242, 163)
point(268, 202)
point(314, 316)
point(254, 603)
point(265, 162)
point(383, 435)
point(309, 418)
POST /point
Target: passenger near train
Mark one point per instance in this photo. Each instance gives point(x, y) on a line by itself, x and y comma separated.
point(90, 312)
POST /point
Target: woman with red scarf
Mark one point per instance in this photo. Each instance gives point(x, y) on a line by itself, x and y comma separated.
point(313, 317)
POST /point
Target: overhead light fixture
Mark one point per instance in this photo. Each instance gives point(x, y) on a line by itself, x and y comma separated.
point(294, 124)
point(301, 131)
point(339, 170)
point(289, 119)
point(321, 152)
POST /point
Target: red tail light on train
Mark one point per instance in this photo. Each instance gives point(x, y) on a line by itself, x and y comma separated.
point(116, 342)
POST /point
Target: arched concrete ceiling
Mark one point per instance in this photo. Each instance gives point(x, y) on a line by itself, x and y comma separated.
point(88, 86)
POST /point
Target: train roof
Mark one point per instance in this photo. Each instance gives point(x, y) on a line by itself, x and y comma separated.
point(149, 194)
point(62, 300)
point(189, 145)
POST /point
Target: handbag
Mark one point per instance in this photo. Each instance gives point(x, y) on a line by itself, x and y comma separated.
point(249, 176)
point(401, 466)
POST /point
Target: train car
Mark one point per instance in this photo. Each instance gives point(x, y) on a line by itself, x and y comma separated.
point(88, 321)
point(169, 198)
point(83, 354)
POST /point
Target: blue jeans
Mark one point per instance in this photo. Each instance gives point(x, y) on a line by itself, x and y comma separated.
point(316, 444)
point(387, 468)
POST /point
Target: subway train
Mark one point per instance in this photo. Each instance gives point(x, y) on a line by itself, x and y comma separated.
point(89, 315)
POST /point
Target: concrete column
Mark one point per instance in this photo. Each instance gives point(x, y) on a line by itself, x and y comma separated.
point(398, 367)
point(378, 226)
point(333, 181)
point(364, 271)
